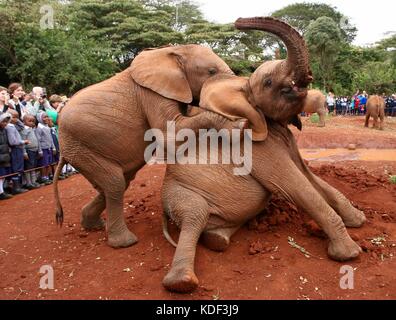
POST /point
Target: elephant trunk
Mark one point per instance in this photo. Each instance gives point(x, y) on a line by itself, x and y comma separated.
point(297, 52)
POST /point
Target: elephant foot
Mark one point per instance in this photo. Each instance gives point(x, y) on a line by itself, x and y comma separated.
point(343, 250)
point(215, 240)
point(96, 224)
point(122, 240)
point(355, 220)
point(180, 280)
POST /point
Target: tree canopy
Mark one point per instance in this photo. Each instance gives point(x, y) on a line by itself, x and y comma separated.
point(91, 40)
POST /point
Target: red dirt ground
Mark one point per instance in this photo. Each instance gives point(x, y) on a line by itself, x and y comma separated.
point(260, 263)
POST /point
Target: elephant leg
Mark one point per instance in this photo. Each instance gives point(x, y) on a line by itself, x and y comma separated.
point(295, 186)
point(341, 247)
point(119, 235)
point(366, 124)
point(91, 213)
point(382, 119)
point(218, 239)
point(375, 125)
point(322, 117)
point(351, 216)
point(192, 215)
point(109, 179)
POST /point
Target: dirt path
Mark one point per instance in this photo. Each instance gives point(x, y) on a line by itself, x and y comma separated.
point(260, 263)
point(342, 131)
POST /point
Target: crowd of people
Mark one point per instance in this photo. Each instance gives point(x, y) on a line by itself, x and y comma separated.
point(29, 147)
point(356, 105)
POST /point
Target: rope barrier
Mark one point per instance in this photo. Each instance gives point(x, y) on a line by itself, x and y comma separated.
point(30, 170)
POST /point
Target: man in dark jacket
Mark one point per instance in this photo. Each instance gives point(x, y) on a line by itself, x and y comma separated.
point(5, 158)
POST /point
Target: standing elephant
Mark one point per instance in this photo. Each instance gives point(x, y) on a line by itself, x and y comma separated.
point(316, 103)
point(210, 201)
point(102, 128)
point(375, 108)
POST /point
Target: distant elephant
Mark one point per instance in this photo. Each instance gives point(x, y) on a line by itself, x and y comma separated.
point(210, 201)
point(375, 108)
point(102, 127)
point(316, 103)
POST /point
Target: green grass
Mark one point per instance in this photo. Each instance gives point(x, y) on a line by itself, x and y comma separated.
point(392, 179)
point(315, 117)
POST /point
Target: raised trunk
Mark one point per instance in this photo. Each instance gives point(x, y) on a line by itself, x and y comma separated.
point(297, 52)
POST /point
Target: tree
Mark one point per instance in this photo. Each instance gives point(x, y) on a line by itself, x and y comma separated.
point(127, 27)
point(324, 40)
point(376, 77)
point(60, 61)
point(56, 58)
point(300, 16)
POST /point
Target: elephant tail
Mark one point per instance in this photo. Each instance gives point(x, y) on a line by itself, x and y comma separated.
point(166, 231)
point(59, 209)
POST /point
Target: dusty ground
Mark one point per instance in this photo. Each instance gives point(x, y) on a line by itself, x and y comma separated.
point(260, 263)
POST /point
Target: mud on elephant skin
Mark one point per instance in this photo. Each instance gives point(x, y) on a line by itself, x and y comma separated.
point(212, 211)
point(102, 128)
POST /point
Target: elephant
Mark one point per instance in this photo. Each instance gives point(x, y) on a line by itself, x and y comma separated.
point(211, 203)
point(316, 103)
point(102, 128)
point(375, 109)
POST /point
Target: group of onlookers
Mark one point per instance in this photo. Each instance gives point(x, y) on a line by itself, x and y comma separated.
point(356, 105)
point(29, 147)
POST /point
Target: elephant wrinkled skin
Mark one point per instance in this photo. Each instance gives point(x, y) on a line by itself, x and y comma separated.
point(219, 202)
point(102, 128)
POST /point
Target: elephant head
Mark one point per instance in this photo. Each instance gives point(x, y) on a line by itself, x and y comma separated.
point(276, 90)
point(177, 72)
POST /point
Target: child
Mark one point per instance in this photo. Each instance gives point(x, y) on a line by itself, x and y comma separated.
point(4, 97)
point(14, 129)
point(5, 158)
point(55, 158)
point(47, 146)
point(32, 151)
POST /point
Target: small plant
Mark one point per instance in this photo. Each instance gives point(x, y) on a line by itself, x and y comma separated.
point(314, 118)
point(392, 179)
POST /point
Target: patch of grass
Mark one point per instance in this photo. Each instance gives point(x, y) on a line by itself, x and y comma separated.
point(314, 118)
point(392, 179)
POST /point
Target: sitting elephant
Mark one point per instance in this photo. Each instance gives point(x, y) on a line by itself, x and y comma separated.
point(210, 201)
point(375, 108)
point(316, 103)
point(102, 128)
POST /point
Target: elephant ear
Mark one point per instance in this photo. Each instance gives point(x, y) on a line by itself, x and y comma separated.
point(161, 70)
point(226, 95)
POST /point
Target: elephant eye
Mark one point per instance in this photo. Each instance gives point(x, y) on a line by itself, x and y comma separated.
point(212, 71)
point(267, 83)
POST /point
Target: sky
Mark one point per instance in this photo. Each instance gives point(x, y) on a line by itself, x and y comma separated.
point(372, 18)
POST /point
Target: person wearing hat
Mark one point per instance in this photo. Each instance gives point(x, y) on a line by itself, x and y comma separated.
point(5, 158)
